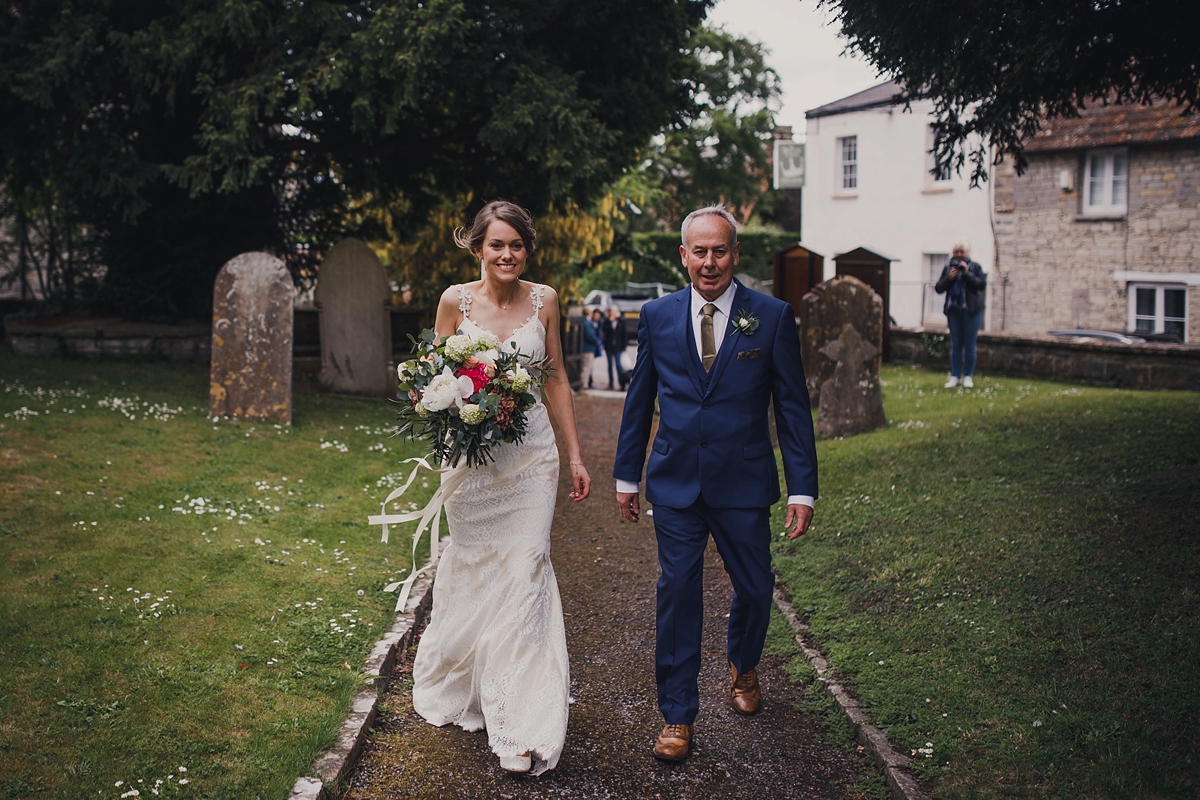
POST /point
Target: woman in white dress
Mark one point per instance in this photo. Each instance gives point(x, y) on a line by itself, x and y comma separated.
point(494, 654)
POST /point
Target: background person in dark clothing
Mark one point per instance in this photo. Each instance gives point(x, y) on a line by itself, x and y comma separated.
point(964, 285)
point(598, 322)
point(615, 338)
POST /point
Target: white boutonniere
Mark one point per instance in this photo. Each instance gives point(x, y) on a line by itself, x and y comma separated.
point(743, 322)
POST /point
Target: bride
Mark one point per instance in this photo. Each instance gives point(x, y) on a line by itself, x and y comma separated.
point(494, 654)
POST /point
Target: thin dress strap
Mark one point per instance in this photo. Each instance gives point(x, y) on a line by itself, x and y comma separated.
point(464, 300)
point(535, 297)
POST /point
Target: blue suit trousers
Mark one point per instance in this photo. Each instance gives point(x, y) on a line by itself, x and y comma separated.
point(743, 539)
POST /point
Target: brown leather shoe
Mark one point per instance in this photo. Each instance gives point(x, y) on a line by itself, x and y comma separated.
point(744, 693)
point(673, 743)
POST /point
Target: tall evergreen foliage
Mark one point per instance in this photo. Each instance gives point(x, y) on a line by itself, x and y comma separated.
point(182, 132)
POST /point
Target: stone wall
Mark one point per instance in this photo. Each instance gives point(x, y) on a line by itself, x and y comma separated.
point(95, 338)
point(1060, 264)
point(1135, 366)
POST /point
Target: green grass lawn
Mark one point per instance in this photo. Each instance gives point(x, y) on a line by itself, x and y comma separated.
point(1008, 577)
point(182, 593)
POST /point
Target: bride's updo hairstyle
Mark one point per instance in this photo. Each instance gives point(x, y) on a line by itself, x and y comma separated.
point(501, 210)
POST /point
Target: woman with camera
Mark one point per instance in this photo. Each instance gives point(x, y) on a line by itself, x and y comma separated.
point(964, 285)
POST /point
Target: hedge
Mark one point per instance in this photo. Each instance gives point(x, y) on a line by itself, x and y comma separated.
point(758, 250)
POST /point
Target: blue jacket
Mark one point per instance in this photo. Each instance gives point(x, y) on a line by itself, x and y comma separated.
point(713, 433)
point(591, 336)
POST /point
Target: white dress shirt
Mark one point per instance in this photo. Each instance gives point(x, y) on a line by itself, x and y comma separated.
point(721, 317)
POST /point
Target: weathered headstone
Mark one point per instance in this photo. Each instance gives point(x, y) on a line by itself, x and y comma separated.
point(851, 400)
point(825, 312)
point(356, 333)
point(251, 376)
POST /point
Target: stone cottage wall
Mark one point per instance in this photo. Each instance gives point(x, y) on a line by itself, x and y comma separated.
point(1059, 264)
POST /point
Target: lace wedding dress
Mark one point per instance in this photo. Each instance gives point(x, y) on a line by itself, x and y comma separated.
point(494, 654)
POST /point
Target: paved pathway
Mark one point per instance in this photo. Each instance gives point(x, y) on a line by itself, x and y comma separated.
point(607, 570)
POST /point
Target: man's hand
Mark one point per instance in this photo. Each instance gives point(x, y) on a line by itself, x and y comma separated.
point(630, 509)
point(799, 513)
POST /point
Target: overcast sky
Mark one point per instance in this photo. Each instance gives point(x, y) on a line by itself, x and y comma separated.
point(804, 49)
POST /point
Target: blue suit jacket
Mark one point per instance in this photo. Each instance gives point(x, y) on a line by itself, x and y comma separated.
point(713, 434)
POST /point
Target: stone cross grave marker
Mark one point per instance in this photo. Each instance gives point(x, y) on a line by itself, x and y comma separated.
point(851, 400)
point(825, 312)
point(356, 334)
point(251, 375)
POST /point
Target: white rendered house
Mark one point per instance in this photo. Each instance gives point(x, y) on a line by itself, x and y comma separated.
point(868, 184)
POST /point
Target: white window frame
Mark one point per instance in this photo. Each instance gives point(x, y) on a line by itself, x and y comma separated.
point(931, 308)
point(1107, 207)
point(840, 176)
point(942, 179)
point(936, 263)
point(1159, 317)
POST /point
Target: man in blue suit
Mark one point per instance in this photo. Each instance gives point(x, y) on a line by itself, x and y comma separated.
point(714, 355)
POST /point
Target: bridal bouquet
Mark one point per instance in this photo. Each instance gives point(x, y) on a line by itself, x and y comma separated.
point(464, 396)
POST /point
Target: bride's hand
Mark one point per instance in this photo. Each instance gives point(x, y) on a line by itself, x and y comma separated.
point(581, 481)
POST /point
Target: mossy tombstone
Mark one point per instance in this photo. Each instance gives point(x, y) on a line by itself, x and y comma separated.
point(251, 373)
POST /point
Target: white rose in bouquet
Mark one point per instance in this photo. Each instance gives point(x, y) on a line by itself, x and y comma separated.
point(459, 347)
point(488, 356)
point(442, 392)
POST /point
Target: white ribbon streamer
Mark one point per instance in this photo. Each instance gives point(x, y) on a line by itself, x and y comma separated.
point(430, 517)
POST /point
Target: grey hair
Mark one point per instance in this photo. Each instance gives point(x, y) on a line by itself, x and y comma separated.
point(964, 244)
point(717, 210)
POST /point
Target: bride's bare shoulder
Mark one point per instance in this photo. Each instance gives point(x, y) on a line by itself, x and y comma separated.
point(548, 296)
point(455, 293)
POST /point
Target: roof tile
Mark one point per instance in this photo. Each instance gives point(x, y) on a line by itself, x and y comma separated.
point(1116, 124)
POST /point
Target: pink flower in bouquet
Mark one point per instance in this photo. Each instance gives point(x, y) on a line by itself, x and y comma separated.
point(477, 373)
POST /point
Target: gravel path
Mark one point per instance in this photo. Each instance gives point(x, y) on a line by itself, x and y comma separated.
point(606, 571)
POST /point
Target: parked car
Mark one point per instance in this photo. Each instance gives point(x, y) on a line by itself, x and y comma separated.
point(598, 298)
point(629, 302)
point(1098, 336)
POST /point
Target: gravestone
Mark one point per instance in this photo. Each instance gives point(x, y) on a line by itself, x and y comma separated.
point(826, 310)
point(354, 300)
point(251, 375)
point(852, 399)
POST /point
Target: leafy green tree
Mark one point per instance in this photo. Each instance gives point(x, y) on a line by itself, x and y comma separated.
point(998, 69)
point(187, 131)
point(719, 151)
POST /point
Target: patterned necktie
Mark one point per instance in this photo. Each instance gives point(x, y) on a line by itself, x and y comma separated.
point(708, 344)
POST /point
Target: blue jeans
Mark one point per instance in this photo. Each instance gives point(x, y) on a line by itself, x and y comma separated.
point(614, 362)
point(964, 329)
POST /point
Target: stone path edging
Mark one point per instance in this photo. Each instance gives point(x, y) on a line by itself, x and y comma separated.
point(897, 767)
point(332, 766)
